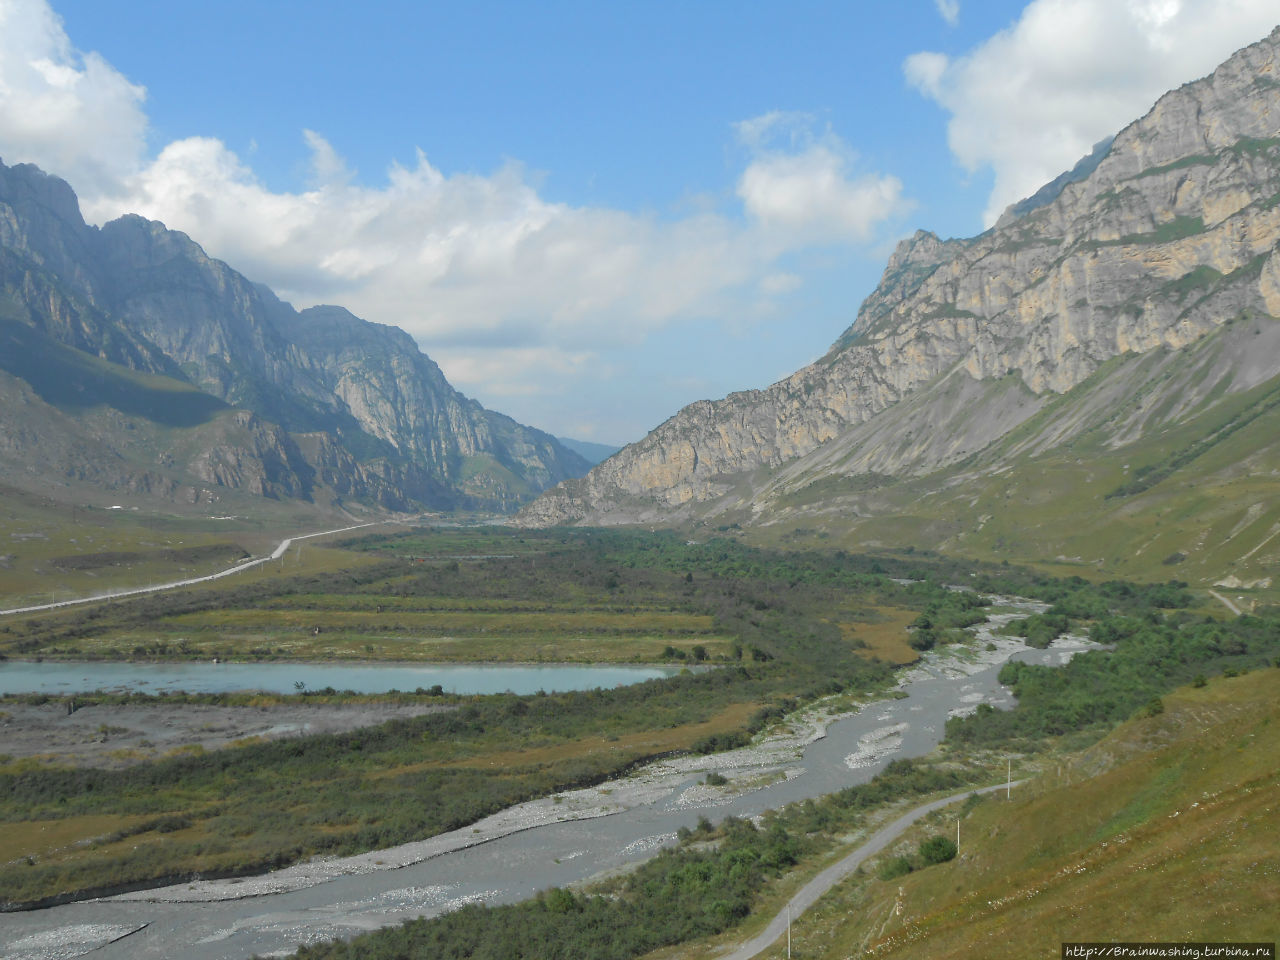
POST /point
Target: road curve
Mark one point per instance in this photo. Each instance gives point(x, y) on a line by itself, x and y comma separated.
point(828, 878)
point(276, 554)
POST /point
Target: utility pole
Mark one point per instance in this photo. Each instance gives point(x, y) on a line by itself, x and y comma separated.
point(1008, 788)
point(788, 930)
point(957, 836)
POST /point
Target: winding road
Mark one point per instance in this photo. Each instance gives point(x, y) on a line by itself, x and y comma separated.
point(275, 554)
point(828, 878)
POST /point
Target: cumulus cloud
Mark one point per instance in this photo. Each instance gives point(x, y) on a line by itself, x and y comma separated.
point(776, 284)
point(504, 287)
point(1034, 98)
point(949, 10)
point(805, 191)
point(67, 112)
point(810, 197)
point(505, 368)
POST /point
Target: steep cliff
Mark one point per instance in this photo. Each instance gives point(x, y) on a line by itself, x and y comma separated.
point(1155, 241)
point(292, 401)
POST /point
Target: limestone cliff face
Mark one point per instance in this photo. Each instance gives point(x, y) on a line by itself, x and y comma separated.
point(1162, 236)
point(326, 398)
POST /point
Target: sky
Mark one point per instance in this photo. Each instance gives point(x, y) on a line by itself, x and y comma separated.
point(589, 214)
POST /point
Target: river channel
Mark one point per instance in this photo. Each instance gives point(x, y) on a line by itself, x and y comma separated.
point(554, 842)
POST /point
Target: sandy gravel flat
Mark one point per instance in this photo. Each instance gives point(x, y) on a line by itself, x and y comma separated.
point(746, 769)
point(121, 735)
point(68, 942)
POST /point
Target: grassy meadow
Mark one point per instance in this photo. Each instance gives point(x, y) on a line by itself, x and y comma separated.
point(51, 550)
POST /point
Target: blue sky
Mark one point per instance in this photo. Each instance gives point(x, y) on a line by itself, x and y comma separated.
point(621, 105)
point(589, 214)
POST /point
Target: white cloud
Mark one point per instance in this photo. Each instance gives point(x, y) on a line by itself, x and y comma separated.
point(949, 10)
point(777, 284)
point(805, 192)
point(70, 113)
point(505, 288)
point(776, 129)
point(505, 369)
point(810, 198)
point(1033, 99)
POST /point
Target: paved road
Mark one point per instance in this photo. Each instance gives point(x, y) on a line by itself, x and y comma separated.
point(276, 554)
point(829, 877)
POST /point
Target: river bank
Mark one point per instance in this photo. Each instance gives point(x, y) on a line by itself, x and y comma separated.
point(564, 839)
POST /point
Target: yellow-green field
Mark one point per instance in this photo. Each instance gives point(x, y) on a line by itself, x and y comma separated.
point(428, 629)
point(53, 551)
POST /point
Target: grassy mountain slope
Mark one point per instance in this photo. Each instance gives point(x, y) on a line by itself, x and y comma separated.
point(1160, 464)
point(75, 381)
point(1120, 844)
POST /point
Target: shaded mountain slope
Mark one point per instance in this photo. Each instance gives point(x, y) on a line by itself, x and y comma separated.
point(316, 404)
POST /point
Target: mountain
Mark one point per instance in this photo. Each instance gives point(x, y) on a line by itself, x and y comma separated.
point(1047, 389)
point(132, 361)
point(593, 453)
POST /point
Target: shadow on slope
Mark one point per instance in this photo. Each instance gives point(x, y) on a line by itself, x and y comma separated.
point(71, 380)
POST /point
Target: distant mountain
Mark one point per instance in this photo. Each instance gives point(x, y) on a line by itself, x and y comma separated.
point(593, 453)
point(1094, 379)
point(130, 360)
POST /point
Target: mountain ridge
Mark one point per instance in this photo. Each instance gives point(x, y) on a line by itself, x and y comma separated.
point(319, 404)
point(1152, 243)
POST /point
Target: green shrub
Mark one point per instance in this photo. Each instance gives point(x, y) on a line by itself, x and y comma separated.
point(937, 849)
point(895, 867)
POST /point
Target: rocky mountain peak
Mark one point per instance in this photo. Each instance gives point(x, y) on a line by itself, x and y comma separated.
point(1152, 242)
point(921, 248)
point(27, 189)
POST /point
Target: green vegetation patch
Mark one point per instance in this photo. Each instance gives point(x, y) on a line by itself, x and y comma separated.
point(1151, 654)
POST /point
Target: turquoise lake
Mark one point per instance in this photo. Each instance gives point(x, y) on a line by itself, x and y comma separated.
point(60, 678)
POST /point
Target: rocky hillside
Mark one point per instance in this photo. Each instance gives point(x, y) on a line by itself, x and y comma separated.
point(1163, 240)
point(134, 361)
